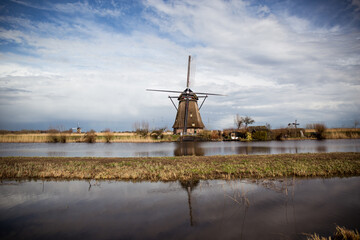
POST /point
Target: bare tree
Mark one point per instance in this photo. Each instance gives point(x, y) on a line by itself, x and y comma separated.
point(142, 128)
point(238, 121)
point(248, 121)
point(356, 123)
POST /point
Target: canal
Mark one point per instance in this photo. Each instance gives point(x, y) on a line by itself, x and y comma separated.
point(217, 209)
point(176, 148)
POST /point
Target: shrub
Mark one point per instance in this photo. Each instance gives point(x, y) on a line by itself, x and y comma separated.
point(260, 135)
point(141, 129)
point(204, 135)
point(248, 137)
point(90, 137)
point(158, 133)
point(62, 138)
point(142, 132)
point(320, 130)
point(279, 134)
point(53, 138)
point(109, 135)
point(215, 135)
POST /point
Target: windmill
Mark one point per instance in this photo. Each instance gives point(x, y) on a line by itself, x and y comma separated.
point(188, 119)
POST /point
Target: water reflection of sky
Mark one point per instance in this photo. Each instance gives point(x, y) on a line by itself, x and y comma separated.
point(187, 210)
point(176, 148)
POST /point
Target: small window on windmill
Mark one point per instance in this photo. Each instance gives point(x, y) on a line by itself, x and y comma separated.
point(193, 124)
point(190, 114)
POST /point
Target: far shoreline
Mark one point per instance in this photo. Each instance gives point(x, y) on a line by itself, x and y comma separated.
point(132, 137)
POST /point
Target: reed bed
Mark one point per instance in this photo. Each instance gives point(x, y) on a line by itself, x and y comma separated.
point(183, 168)
point(77, 137)
point(23, 138)
point(339, 133)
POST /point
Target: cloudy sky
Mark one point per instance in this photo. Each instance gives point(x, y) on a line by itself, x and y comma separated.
point(64, 62)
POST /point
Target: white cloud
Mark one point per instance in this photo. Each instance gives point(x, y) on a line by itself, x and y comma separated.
point(273, 66)
point(81, 7)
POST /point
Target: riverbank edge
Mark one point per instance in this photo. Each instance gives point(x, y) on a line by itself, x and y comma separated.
point(182, 168)
point(132, 137)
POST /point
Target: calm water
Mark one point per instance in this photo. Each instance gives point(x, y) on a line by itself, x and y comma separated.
point(176, 148)
point(275, 209)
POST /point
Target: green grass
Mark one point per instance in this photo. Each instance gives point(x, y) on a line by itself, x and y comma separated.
point(183, 168)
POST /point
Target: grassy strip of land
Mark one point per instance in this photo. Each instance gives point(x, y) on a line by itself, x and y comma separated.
point(183, 168)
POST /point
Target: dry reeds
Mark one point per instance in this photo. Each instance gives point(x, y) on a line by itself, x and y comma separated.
point(341, 233)
point(80, 137)
point(24, 138)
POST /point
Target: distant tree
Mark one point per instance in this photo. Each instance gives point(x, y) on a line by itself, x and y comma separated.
point(248, 121)
point(52, 130)
point(238, 121)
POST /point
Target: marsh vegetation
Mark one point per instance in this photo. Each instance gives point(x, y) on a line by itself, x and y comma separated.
point(183, 168)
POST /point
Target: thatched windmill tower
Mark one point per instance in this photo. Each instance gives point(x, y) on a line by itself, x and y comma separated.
point(188, 119)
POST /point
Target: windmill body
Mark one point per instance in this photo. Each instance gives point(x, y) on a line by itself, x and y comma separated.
point(188, 120)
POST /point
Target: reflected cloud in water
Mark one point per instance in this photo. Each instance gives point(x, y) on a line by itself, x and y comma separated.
point(262, 209)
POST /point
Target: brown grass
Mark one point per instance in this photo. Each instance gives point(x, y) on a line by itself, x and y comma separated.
point(21, 138)
point(339, 133)
point(183, 168)
point(341, 233)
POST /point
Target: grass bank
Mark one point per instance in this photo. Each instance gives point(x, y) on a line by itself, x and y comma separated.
point(183, 168)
